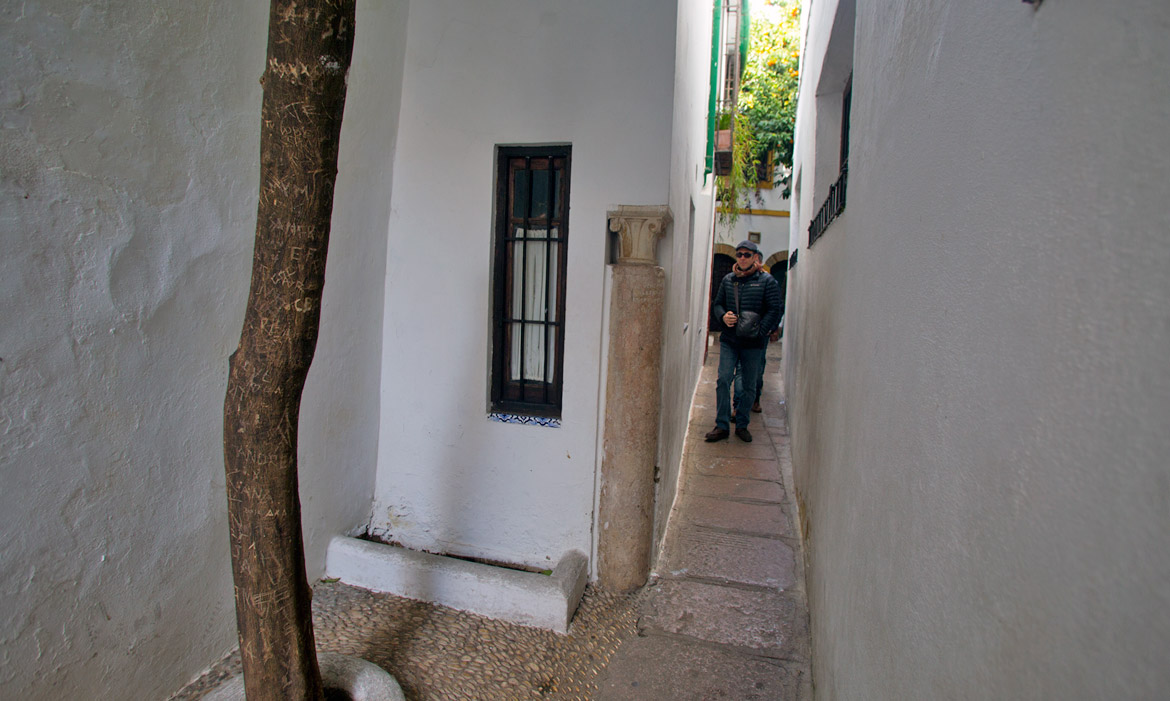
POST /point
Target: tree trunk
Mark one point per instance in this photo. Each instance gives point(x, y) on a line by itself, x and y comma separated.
point(310, 44)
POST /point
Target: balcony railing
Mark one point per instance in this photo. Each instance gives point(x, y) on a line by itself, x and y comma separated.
point(833, 206)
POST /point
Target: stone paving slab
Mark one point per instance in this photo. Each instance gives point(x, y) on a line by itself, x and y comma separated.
point(776, 421)
point(780, 439)
point(765, 621)
point(760, 448)
point(725, 466)
point(701, 422)
point(734, 488)
point(704, 402)
point(729, 514)
point(733, 557)
point(664, 668)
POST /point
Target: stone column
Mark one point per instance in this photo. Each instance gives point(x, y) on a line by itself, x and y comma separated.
point(626, 509)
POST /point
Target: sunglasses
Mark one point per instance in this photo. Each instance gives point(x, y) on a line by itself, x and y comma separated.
point(744, 255)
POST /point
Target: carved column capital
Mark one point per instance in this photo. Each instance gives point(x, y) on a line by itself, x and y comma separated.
point(640, 227)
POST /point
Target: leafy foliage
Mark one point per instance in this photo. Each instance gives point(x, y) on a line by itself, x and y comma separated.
point(733, 191)
point(770, 80)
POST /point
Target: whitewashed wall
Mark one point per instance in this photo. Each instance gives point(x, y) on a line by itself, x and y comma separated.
point(685, 253)
point(339, 417)
point(773, 229)
point(129, 149)
point(978, 383)
point(597, 75)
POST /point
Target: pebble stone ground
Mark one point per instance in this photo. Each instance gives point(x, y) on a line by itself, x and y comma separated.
point(442, 654)
point(723, 617)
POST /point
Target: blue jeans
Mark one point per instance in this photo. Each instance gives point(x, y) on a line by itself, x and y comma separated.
point(759, 382)
point(750, 361)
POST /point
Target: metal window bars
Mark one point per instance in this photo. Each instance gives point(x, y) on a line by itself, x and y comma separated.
point(833, 206)
point(835, 202)
point(529, 307)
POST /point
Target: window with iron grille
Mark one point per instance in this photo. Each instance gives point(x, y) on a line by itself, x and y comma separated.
point(835, 203)
point(531, 230)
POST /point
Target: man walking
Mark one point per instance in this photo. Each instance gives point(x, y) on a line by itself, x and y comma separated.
point(772, 336)
point(745, 291)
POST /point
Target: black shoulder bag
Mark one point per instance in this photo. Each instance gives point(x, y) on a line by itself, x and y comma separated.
point(747, 324)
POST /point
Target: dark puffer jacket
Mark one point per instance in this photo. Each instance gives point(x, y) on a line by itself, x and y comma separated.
point(758, 292)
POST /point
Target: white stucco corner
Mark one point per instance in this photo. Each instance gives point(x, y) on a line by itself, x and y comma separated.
point(531, 599)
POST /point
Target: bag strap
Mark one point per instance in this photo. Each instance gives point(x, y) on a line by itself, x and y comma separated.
point(733, 282)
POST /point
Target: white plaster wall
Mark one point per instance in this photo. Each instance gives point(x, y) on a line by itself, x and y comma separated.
point(978, 384)
point(774, 229)
point(685, 253)
point(597, 75)
point(339, 416)
point(129, 154)
point(130, 165)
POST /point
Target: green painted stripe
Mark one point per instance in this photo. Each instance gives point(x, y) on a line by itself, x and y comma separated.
point(745, 34)
point(716, 21)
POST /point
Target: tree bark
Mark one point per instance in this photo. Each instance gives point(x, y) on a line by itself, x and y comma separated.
point(310, 44)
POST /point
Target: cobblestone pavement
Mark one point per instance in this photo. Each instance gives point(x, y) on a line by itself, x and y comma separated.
point(439, 653)
point(723, 617)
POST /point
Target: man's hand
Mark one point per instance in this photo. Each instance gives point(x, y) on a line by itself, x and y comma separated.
point(730, 318)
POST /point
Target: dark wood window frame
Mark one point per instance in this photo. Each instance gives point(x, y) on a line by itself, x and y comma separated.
point(530, 251)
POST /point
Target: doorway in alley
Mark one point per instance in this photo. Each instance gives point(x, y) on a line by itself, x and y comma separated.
point(720, 266)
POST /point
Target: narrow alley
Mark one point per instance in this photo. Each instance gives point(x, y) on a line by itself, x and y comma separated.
point(725, 616)
point(492, 480)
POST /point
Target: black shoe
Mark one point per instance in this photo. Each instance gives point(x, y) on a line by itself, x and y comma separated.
point(743, 434)
point(719, 434)
point(756, 407)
